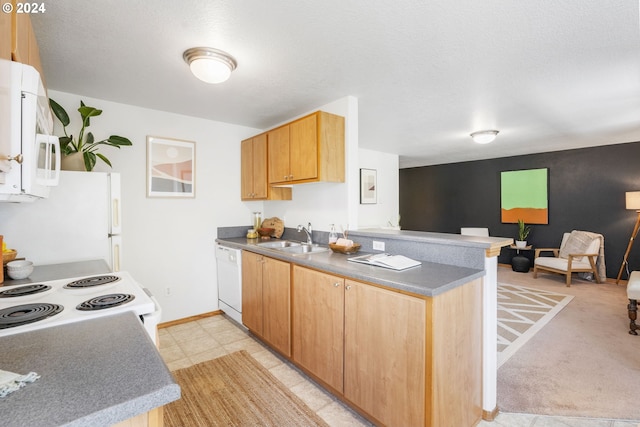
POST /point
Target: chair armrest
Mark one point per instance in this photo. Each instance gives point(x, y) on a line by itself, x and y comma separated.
point(556, 251)
point(581, 255)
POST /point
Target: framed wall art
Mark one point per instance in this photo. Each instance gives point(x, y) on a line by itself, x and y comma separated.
point(171, 167)
point(368, 189)
point(524, 195)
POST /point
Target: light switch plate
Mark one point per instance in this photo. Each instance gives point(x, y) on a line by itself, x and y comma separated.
point(378, 246)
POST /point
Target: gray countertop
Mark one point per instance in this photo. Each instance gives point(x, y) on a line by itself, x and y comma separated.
point(93, 373)
point(429, 279)
point(42, 273)
point(97, 372)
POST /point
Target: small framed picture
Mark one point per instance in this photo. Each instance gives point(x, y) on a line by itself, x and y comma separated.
point(171, 167)
point(368, 190)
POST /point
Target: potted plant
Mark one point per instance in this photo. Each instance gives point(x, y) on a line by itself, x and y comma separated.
point(83, 150)
point(523, 233)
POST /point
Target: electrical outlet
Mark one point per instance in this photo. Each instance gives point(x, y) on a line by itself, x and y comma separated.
point(378, 246)
point(167, 291)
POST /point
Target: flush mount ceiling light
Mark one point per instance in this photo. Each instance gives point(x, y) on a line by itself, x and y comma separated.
point(484, 136)
point(210, 65)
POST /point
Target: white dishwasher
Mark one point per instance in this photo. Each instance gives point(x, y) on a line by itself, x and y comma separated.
point(229, 262)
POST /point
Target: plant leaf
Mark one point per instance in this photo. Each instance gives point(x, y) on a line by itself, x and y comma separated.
point(89, 160)
point(65, 144)
point(86, 112)
point(59, 112)
point(118, 140)
point(104, 159)
point(89, 139)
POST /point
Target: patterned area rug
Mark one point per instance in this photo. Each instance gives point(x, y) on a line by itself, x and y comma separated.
point(522, 312)
point(235, 390)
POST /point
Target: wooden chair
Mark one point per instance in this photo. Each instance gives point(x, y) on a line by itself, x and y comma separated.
point(568, 263)
point(474, 231)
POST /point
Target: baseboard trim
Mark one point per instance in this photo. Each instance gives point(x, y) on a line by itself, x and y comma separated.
point(490, 415)
point(189, 319)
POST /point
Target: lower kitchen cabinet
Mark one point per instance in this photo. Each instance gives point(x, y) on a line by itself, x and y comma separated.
point(384, 340)
point(266, 303)
point(366, 343)
point(401, 360)
point(318, 325)
point(152, 418)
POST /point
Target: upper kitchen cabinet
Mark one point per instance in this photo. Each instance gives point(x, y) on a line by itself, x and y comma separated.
point(5, 36)
point(309, 149)
point(253, 172)
point(24, 47)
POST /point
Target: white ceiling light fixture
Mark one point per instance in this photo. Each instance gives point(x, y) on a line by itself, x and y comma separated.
point(484, 136)
point(210, 65)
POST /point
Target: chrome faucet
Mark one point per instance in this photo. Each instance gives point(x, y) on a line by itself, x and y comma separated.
point(308, 231)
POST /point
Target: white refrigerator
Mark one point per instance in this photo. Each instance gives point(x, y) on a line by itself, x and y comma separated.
point(79, 221)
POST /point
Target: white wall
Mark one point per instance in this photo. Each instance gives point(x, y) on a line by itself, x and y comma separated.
point(324, 203)
point(387, 208)
point(169, 243)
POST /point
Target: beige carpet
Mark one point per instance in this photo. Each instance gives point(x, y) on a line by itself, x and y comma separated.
point(235, 390)
point(583, 363)
point(522, 312)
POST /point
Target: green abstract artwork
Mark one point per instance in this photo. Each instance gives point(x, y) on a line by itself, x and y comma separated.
point(523, 195)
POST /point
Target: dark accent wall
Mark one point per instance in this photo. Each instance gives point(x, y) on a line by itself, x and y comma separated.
point(586, 192)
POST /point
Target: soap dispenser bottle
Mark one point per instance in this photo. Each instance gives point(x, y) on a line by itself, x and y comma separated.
point(333, 236)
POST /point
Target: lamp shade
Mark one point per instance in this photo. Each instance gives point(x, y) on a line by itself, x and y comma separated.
point(484, 136)
point(210, 65)
point(633, 200)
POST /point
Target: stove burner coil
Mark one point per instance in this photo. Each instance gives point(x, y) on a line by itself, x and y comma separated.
point(27, 313)
point(24, 290)
point(105, 301)
point(88, 282)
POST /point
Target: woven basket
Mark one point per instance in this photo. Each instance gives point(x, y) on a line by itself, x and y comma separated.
point(9, 255)
point(345, 249)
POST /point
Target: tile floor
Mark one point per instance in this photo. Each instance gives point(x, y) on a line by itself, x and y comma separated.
point(197, 341)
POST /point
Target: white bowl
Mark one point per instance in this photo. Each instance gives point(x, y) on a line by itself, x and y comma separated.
point(19, 269)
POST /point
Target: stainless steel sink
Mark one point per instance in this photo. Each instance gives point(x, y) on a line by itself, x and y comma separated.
point(304, 249)
point(293, 248)
point(279, 244)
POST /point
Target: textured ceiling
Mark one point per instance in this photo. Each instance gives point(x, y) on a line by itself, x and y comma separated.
point(550, 75)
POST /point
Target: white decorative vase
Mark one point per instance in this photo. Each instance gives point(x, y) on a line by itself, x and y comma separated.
point(521, 243)
point(73, 162)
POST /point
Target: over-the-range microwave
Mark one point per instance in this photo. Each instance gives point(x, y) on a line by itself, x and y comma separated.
point(29, 153)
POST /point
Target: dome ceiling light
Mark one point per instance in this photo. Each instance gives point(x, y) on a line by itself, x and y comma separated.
point(484, 136)
point(210, 65)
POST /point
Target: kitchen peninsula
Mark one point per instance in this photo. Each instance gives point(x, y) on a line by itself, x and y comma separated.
point(409, 347)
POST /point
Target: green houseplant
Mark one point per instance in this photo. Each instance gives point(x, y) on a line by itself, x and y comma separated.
point(85, 144)
point(523, 233)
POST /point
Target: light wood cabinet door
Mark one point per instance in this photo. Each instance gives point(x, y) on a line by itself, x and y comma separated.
point(24, 46)
point(252, 291)
point(5, 36)
point(259, 145)
point(253, 168)
point(276, 300)
point(278, 155)
point(384, 371)
point(253, 172)
point(303, 148)
point(246, 169)
point(318, 324)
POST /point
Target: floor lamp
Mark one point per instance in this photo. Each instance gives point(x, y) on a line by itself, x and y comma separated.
point(633, 202)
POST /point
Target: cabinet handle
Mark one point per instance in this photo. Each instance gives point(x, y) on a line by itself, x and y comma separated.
point(286, 177)
point(348, 287)
point(291, 177)
point(336, 284)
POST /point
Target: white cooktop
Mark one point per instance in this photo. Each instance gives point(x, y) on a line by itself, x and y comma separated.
point(69, 299)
